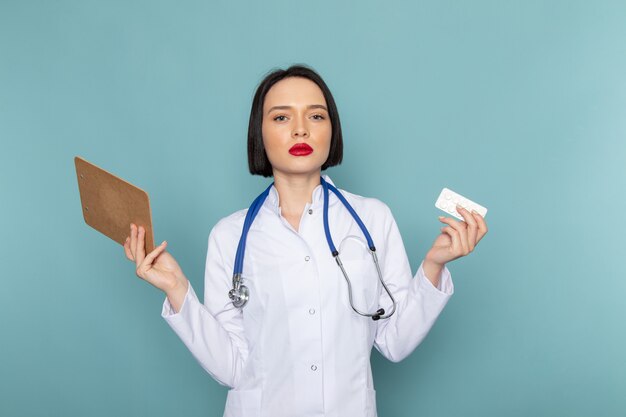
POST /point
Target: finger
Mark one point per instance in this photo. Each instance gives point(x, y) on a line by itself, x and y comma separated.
point(133, 239)
point(455, 236)
point(155, 252)
point(140, 251)
point(472, 227)
point(454, 224)
point(146, 265)
point(449, 220)
point(461, 227)
point(129, 255)
point(482, 226)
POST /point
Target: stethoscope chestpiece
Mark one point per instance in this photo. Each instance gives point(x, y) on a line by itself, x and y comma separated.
point(239, 296)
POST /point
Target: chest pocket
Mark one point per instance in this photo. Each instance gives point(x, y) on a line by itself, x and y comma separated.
point(361, 270)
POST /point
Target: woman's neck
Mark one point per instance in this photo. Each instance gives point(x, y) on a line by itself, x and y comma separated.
point(294, 191)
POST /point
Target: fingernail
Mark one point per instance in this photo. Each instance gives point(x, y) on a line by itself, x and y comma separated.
point(441, 217)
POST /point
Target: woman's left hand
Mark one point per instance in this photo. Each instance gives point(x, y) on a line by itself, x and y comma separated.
point(457, 239)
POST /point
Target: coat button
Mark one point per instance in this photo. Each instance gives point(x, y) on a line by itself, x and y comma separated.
point(306, 258)
point(313, 367)
point(310, 211)
point(311, 311)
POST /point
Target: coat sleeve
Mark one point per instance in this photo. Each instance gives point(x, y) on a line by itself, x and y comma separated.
point(418, 302)
point(213, 332)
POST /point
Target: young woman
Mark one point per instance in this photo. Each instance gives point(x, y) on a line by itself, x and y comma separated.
point(314, 303)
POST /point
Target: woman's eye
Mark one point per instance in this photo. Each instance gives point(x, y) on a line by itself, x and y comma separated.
point(281, 118)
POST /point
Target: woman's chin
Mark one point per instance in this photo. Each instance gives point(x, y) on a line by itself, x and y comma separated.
point(299, 170)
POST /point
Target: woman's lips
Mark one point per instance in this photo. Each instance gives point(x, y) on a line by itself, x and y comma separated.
point(300, 149)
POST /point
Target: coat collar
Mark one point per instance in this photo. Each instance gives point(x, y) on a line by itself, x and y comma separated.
point(317, 201)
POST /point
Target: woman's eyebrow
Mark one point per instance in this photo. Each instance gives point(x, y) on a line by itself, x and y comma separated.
point(311, 106)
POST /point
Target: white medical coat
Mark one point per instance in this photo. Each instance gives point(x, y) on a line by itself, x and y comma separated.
point(297, 348)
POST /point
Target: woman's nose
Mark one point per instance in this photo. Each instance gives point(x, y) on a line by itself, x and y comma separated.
point(300, 133)
point(300, 130)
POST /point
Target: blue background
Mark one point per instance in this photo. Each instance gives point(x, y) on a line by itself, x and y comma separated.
point(518, 105)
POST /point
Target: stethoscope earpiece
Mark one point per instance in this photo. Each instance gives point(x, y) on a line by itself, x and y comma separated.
point(379, 313)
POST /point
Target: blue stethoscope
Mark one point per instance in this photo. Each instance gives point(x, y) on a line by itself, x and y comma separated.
point(240, 294)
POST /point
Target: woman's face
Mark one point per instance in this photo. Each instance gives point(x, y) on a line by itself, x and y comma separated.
point(295, 113)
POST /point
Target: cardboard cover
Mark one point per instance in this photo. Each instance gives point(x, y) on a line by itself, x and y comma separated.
point(110, 204)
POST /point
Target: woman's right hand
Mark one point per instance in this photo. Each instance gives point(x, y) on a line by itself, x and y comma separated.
point(159, 268)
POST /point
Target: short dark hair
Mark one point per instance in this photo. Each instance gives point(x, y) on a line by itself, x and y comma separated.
point(258, 163)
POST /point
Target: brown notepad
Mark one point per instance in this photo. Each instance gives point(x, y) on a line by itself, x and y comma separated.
point(111, 204)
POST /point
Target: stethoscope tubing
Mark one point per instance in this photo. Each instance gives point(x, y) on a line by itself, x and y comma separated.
point(239, 293)
point(250, 215)
point(326, 186)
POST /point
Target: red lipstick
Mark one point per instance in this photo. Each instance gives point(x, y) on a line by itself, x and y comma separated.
point(300, 149)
